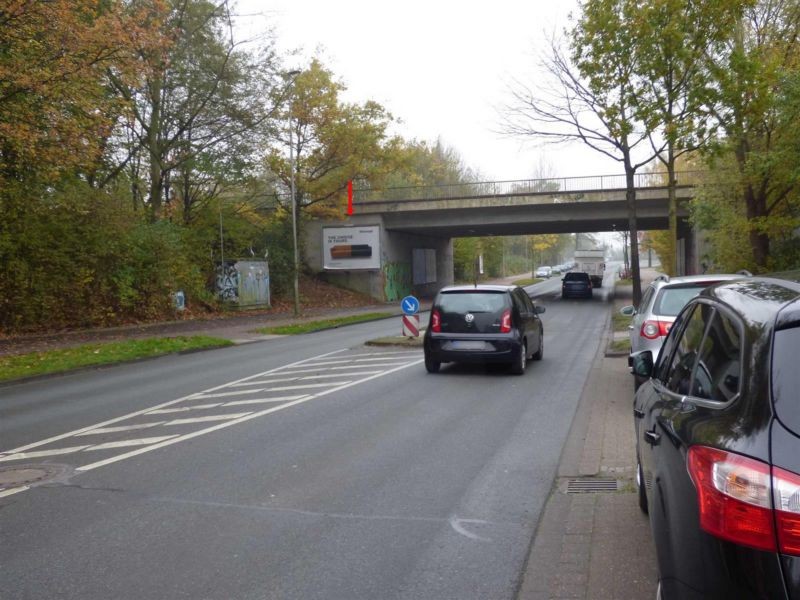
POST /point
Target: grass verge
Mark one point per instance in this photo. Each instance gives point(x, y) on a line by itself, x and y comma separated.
point(311, 326)
point(623, 282)
point(527, 281)
point(619, 321)
point(406, 342)
point(58, 361)
point(620, 346)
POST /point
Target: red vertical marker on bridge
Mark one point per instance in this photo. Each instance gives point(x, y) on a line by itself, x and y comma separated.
point(350, 197)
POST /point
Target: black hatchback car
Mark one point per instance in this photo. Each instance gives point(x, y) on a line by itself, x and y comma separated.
point(483, 323)
point(575, 284)
point(718, 443)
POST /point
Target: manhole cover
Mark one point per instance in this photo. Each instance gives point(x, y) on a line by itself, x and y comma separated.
point(20, 475)
point(592, 485)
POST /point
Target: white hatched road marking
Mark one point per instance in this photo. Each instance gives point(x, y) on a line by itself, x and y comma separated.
point(121, 428)
point(124, 443)
point(262, 400)
point(265, 381)
point(206, 419)
point(169, 411)
point(330, 375)
point(254, 415)
point(42, 453)
point(224, 394)
point(153, 443)
point(305, 386)
point(151, 410)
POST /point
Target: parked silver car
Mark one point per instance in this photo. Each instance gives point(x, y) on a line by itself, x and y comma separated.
point(661, 302)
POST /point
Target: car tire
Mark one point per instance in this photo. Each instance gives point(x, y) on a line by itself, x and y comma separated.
point(432, 366)
point(521, 361)
point(641, 488)
point(540, 352)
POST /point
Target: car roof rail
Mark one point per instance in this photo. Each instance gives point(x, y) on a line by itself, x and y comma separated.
point(744, 272)
point(662, 277)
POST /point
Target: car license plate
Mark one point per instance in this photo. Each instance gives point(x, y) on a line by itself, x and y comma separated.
point(467, 345)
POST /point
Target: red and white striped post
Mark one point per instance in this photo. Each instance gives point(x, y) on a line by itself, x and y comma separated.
point(411, 325)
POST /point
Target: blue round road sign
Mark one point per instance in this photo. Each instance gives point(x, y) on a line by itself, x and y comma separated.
point(410, 305)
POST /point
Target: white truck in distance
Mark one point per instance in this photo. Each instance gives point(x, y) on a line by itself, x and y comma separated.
point(592, 262)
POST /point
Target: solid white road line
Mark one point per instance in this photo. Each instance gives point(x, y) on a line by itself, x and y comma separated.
point(75, 432)
point(101, 430)
point(254, 415)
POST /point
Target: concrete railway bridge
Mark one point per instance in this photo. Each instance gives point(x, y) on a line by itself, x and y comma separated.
point(408, 231)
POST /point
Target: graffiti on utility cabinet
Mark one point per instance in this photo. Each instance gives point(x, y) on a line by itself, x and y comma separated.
point(244, 282)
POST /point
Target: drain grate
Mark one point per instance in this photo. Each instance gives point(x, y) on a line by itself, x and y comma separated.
point(592, 485)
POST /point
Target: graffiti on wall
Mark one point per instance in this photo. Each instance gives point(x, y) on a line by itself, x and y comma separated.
point(396, 280)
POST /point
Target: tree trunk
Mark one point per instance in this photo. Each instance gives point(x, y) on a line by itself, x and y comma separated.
point(630, 197)
point(759, 242)
point(153, 147)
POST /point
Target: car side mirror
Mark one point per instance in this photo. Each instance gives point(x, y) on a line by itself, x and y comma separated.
point(540, 310)
point(628, 311)
point(642, 363)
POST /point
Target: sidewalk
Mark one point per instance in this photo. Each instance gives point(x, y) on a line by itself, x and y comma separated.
point(595, 545)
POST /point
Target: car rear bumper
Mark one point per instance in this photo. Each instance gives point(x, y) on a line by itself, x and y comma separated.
point(495, 349)
point(576, 293)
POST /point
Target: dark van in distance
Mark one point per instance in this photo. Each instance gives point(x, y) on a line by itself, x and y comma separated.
point(483, 323)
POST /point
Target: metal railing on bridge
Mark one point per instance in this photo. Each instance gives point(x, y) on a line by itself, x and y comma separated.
point(524, 187)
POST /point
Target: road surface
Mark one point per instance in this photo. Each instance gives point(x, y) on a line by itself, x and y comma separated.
point(301, 467)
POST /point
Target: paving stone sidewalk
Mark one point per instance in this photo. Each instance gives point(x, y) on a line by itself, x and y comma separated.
point(595, 546)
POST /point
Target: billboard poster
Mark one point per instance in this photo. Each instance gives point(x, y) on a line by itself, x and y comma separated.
point(349, 248)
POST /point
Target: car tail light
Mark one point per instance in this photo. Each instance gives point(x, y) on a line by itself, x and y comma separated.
point(786, 495)
point(733, 493)
point(436, 322)
point(655, 329)
point(505, 322)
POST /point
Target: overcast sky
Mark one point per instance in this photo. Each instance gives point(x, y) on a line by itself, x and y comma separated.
point(443, 67)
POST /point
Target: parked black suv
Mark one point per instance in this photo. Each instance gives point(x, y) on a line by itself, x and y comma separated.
point(718, 443)
point(483, 323)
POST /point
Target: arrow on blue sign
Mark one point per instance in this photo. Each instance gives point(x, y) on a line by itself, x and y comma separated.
point(409, 305)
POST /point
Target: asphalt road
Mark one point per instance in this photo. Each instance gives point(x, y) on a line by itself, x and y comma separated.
point(301, 467)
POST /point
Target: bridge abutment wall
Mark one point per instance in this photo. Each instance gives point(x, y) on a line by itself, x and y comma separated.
point(399, 274)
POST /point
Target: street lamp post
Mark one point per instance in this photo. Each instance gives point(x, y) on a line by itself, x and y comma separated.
point(293, 75)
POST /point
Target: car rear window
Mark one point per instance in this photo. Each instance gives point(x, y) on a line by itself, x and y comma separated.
point(786, 377)
point(576, 276)
point(671, 300)
point(473, 302)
